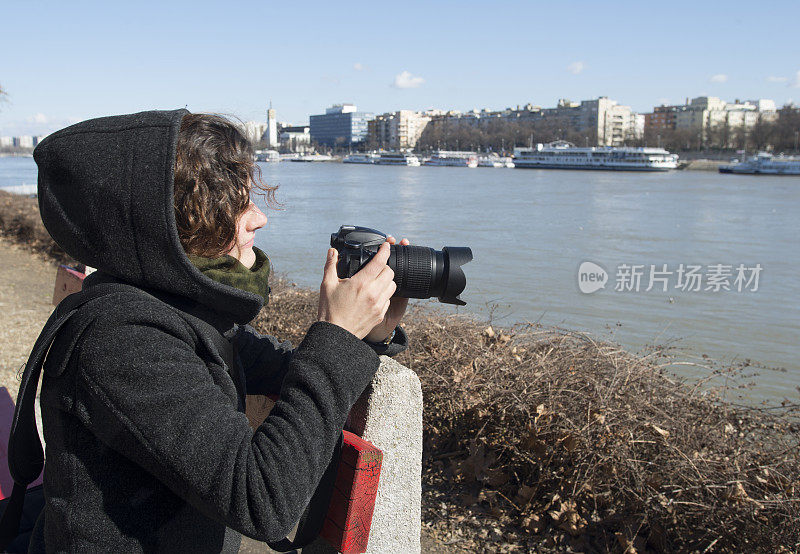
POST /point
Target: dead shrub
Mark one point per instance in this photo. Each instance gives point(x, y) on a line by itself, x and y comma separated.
point(574, 442)
point(20, 222)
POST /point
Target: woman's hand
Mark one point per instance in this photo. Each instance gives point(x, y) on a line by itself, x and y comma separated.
point(397, 308)
point(358, 304)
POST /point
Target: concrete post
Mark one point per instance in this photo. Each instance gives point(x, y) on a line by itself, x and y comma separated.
point(389, 415)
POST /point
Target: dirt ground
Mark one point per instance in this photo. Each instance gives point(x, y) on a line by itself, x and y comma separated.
point(26, 292)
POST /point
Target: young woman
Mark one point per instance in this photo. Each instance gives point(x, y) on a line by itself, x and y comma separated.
point(148, 448)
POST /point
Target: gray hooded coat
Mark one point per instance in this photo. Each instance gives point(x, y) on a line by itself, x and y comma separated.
point(146, 445)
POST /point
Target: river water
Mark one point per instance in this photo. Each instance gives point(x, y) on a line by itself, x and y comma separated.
point(531, 231)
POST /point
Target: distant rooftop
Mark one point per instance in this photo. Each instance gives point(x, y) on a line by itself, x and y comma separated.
point(341, 108)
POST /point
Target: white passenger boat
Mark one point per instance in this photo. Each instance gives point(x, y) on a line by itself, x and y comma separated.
point(564, 155)
point(397, 158)
point(765, 164)
point(270, 156)
point(369, 158)
point(453, 158)
point(495, 161)
point(311, 158)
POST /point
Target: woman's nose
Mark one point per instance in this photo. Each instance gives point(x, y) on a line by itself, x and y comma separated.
point(257, 218)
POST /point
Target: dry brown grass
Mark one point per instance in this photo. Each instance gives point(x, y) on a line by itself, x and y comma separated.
point(567, 443)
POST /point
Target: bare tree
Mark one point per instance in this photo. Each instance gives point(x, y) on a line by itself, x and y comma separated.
point(761, 133)
point(787, 129)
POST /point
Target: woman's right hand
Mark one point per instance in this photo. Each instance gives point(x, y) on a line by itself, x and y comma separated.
point(359, 303)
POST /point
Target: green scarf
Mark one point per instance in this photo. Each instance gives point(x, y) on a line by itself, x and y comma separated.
point(230, 271)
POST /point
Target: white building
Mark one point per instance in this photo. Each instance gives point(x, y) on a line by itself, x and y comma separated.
point(637, 125)
point(341, 108)
point(295, 138)
point(25, 141)
point(764, 105)
point(254, 130)
point(6, 142)
point(613, 121)
point(706, 113)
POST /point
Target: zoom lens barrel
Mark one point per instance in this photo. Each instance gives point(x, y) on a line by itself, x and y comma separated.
point(417, 271)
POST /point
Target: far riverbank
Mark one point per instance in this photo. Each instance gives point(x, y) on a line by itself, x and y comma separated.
point(694, 164)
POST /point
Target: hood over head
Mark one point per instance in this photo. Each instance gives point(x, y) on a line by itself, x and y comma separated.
point(106, 189)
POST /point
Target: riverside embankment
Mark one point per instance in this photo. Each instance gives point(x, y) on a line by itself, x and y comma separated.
point(544, 439)
point(702, 165)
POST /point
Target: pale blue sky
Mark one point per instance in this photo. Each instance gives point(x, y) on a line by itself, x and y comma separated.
point(68, 61)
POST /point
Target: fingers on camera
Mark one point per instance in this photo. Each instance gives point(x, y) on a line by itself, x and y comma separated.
point(386, 274)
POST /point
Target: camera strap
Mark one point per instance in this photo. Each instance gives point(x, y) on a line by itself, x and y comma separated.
point(25, 453)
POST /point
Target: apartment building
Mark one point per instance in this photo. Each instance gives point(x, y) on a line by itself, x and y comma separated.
point(400, 129)
point(603, 119)
point(704, 113)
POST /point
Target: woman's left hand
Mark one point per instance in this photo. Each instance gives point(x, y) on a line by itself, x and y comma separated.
point(397, 308)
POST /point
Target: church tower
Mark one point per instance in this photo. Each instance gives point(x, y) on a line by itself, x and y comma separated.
point(271, 134)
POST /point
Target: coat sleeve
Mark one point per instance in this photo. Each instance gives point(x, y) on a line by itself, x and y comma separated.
point(264, 359)
point(143, 390)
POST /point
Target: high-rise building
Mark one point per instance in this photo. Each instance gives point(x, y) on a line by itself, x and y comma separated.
point(341, 125)
point(400, 129)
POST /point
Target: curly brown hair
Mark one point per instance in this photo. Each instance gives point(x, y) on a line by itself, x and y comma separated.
point(214, 176)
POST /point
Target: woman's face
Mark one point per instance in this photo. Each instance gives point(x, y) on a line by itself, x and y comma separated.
point(246, 226)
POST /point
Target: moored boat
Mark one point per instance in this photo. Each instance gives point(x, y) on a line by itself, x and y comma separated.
point(311, 158)
point(397, 158)
point(564, 155)
point(765, 164)
point(495, 161)
point(453, 158)
point(368, 158)
point(271, 156)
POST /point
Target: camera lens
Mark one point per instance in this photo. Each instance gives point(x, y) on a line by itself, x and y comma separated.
point(422, 272)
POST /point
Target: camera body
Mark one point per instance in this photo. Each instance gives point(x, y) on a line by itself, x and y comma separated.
point(419, 271)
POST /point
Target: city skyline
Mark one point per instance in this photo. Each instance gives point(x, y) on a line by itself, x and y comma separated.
point(69, 63)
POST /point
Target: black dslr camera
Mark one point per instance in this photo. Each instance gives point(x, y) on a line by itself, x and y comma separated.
point(419, 271)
